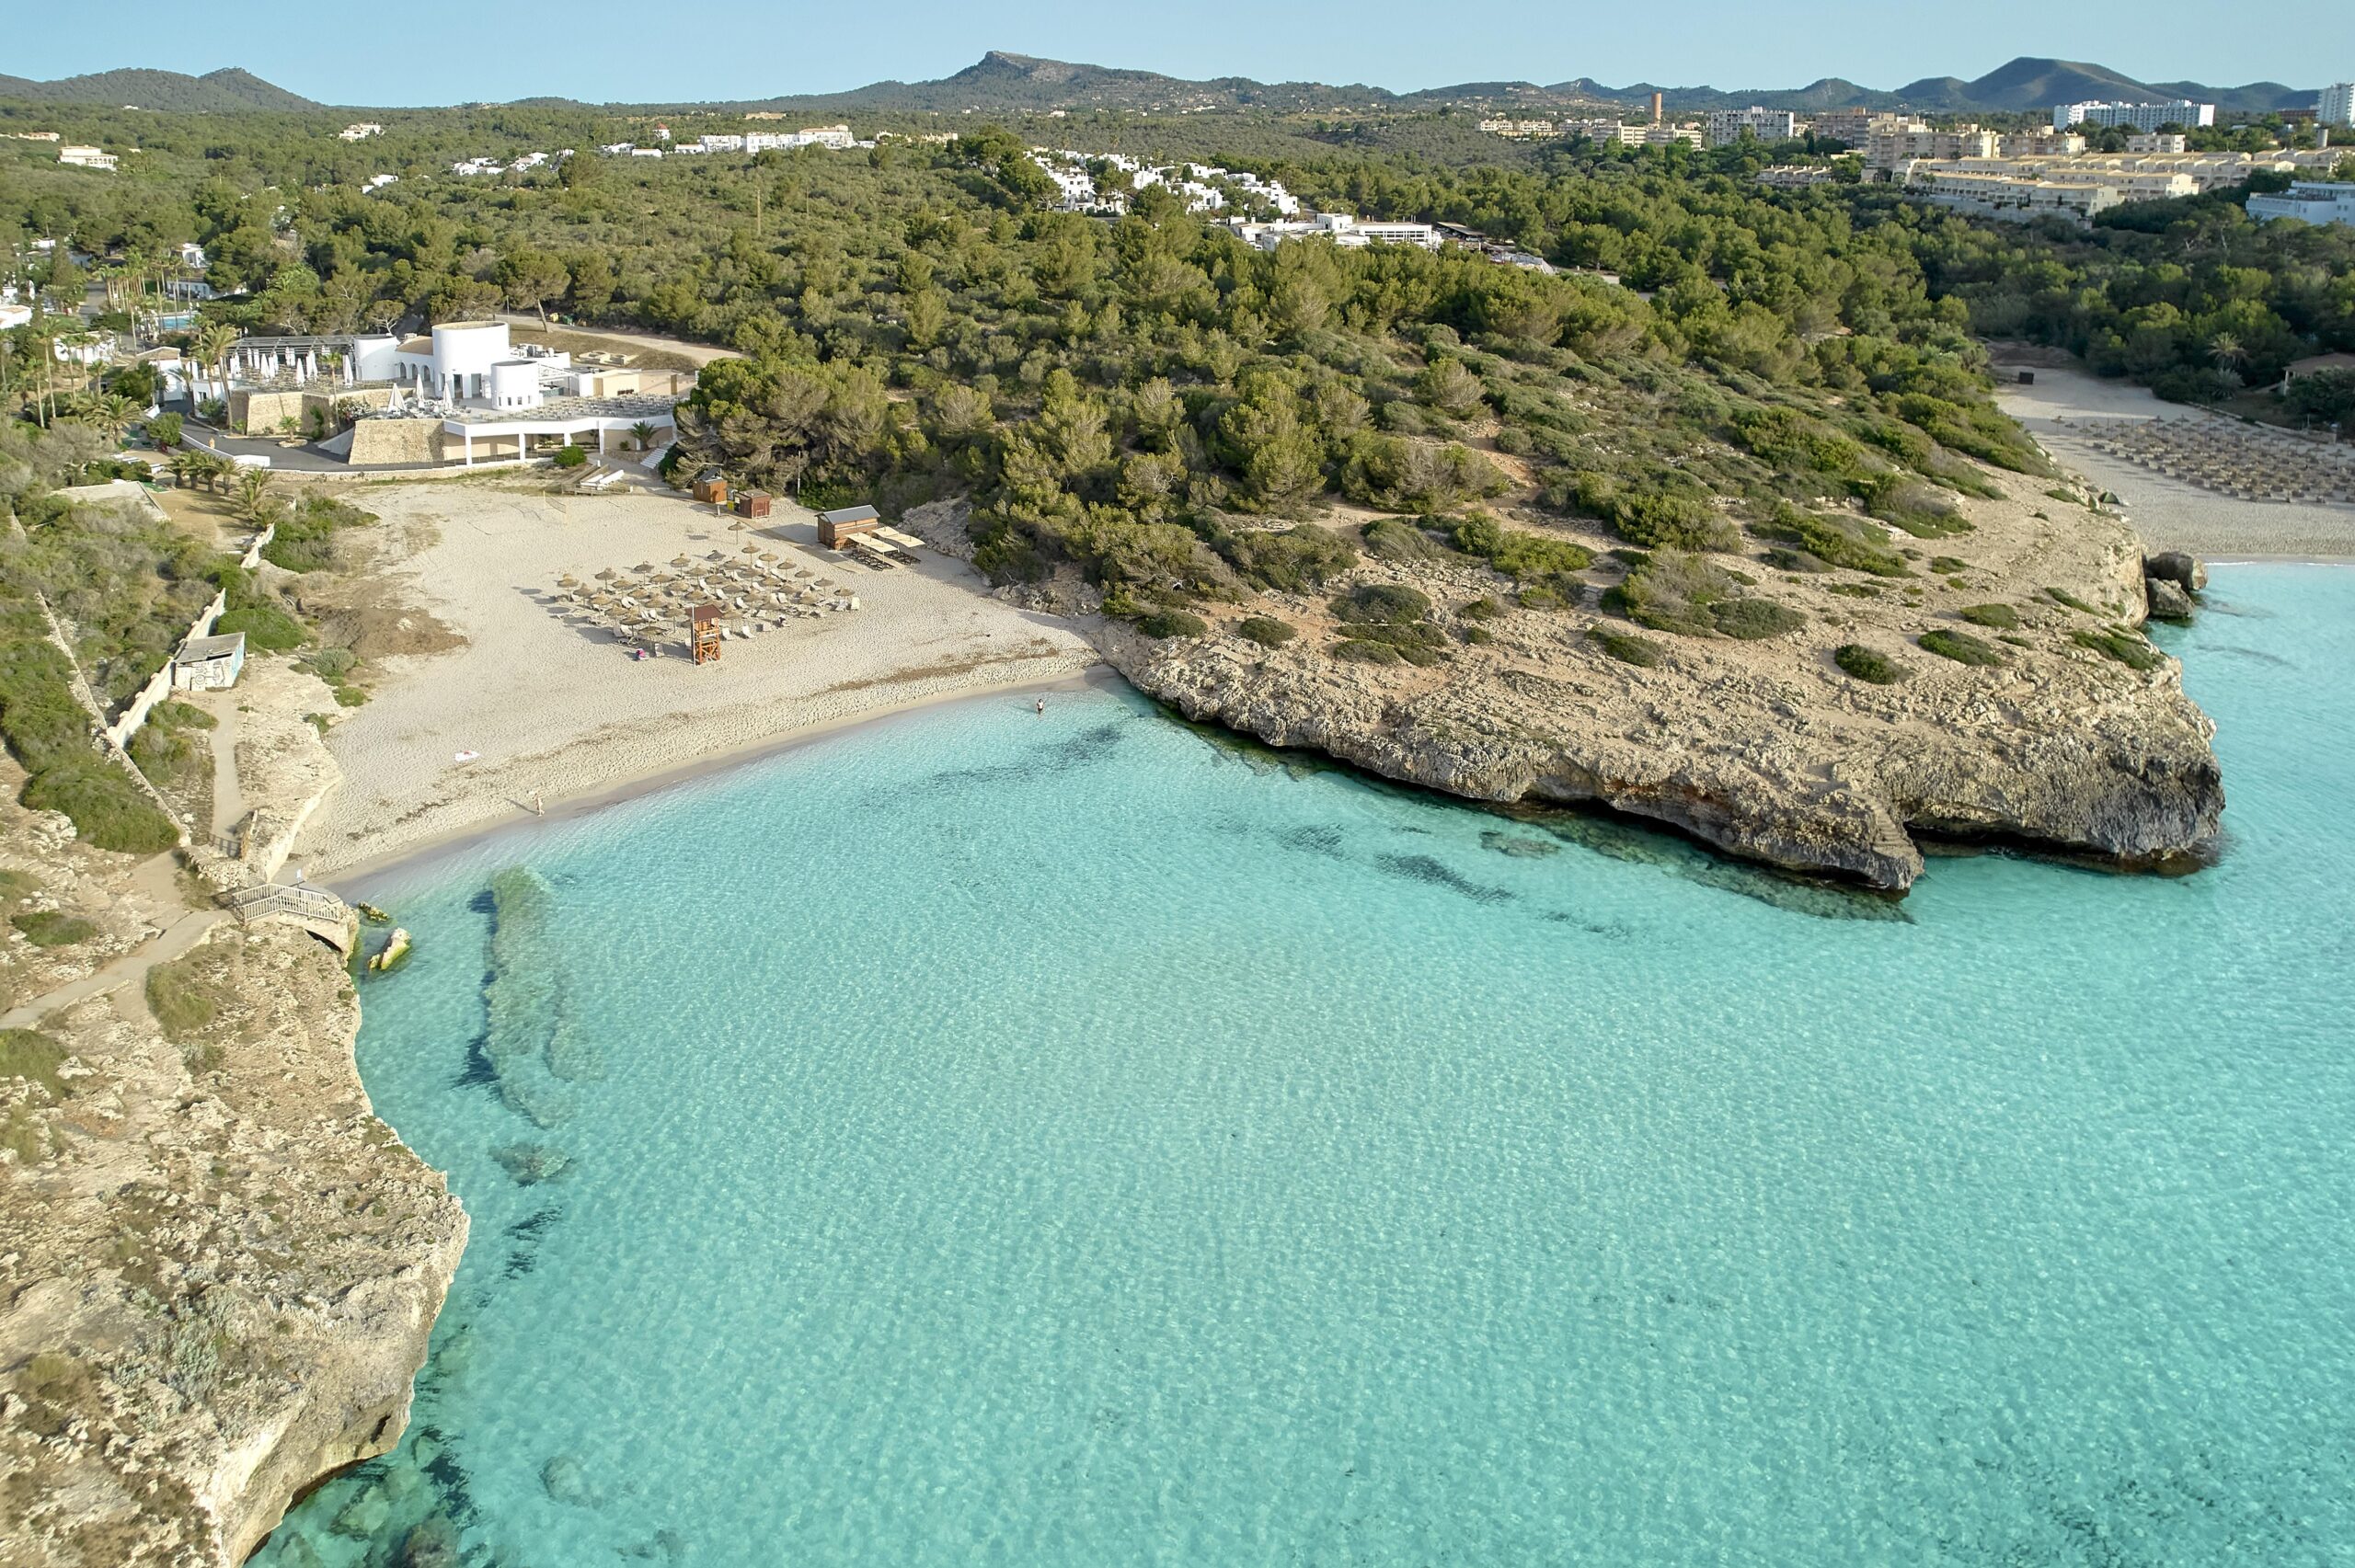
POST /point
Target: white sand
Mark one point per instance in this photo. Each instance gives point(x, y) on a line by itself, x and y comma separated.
point(2168, 513)
point(565, 712)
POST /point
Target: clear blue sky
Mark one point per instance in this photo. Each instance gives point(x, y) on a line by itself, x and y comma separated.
point(438, 52)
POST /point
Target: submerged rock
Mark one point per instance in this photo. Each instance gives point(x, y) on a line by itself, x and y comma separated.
point(565, 1481)
point(532, 1163)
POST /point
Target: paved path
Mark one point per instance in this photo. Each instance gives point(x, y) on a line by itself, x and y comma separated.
point(157, 882)
point(228, 800)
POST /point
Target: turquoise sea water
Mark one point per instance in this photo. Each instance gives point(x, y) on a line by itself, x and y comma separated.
point(1068, 1140)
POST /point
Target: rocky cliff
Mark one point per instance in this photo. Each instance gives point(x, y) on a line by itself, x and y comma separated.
point(218, 1268)
point(2059, 728)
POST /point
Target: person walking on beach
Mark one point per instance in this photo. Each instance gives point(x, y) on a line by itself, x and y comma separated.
point(1043, 704)
point(537, 809)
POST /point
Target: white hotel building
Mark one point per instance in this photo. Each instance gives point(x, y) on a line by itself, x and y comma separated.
point(2134, 115)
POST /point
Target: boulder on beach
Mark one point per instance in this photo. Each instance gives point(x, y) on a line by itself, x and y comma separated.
point(2186, 572)
point(2168, 601)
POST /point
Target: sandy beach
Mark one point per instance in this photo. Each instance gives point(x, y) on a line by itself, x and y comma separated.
point(2168, 513)
point(557, 713)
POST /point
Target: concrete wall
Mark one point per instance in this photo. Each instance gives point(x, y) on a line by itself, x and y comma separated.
point(159, 685)
point(396, 440)
point(261, 412)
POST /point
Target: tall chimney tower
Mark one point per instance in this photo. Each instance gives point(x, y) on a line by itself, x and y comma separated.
point(1656, 109)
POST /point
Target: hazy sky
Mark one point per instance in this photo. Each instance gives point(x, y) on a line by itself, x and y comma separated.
point(437, 52)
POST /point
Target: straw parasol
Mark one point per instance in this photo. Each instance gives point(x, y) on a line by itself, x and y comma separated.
point(608, 575)
point(678, 560)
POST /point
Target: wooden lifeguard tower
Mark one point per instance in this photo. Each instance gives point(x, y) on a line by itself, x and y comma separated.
point(703, 630)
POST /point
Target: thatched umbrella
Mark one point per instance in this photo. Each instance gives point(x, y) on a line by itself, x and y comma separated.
point(805, 572)
point(643, 568)
point(568, 580)
point(678, 560)
point(608, 575)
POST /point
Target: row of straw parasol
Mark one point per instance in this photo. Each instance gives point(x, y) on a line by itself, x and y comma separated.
point(756, 587)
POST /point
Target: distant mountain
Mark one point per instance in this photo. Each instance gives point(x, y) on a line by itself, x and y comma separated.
point(228, 91)
point(2023, 85)
point(1020, 83)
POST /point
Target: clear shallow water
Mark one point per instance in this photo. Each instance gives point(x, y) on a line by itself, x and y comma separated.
point(1069, 1141)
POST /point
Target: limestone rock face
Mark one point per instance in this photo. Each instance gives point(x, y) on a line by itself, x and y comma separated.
point(218, 1268)
point(2169, 602)
point(2186, 572)
point(1764, 748)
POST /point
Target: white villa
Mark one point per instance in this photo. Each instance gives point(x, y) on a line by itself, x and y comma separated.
point(462, 393)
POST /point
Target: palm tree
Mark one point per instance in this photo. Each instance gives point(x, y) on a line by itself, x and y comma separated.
point(2225, 351)
point(253, 493)
point(212, 350)
point(643, 434)
point(107, 411)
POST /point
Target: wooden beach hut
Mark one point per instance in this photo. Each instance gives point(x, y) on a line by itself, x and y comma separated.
point(836, 529)
point(713, 489)
point(752, 504)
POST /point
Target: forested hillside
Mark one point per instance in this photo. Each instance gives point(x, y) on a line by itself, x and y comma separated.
point(909, 318)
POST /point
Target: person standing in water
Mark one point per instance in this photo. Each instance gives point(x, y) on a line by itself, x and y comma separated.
point(1043, 704)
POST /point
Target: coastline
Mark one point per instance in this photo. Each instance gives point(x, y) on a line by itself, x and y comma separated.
point(2167, 513)
point(358, 877)
point(496, 687)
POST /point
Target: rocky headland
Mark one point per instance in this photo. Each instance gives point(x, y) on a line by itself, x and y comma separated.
point(1987, 684)
point(220, 1269)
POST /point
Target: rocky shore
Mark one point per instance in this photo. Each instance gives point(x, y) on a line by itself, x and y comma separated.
point(220, 1269)
point(2069, 733)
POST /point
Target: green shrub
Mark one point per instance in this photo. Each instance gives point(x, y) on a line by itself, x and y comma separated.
point(2062, 596)
point(2001, 617)
point(350, 696)
point(48, 928)
point(1292, 560)
point(182, 998)
point(1841, 541)
point(1676, 592)
point(330, 664)
point(1628, 649)
point(1370, 653)
point(1157, 624)
point(176, 716)
point(1381, 603)
point(570, 456)
point(1671, 512)
point(1537, 596)
point(1919, 510)
point(32, 1056)
point(1751, 619)
point(1948, 564)
point(1960, 647)
point(1519, 555)
point(303, 540)
point(1480, 610)
point(1866, 665)
point(1265, 630)
point(1397, 539)
point(268, 628)
point(2116, 642)
point(107, 810)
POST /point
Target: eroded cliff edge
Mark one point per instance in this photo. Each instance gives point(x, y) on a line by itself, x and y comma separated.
point(218, 1269)
point(2074, 735)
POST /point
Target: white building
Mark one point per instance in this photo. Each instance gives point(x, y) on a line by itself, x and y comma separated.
point(1343, 230)
point(1605, 133)
point(1658, 135)
point(378, 181)
point(2335, 104)
point(2152, 142)
point(361, 131)
point(2315, 202)
point(1727, 126)
point(87, 157)
point(2134, 115)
